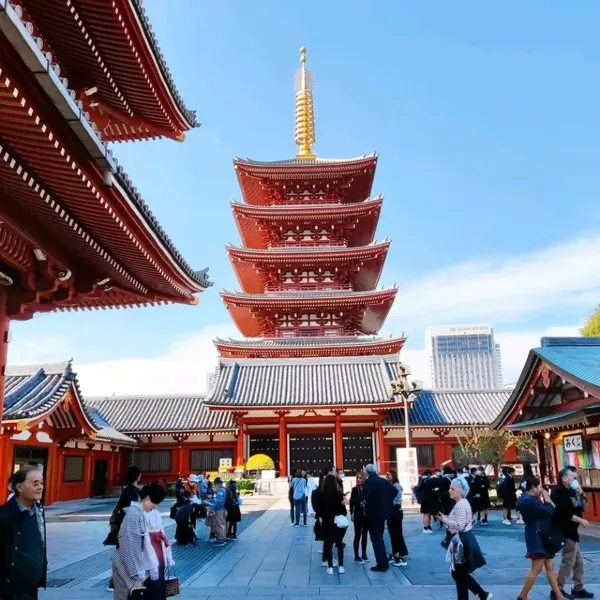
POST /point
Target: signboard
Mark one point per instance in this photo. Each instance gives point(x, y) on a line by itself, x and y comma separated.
point(408, 468)
point(225, 462)
point(573, 443)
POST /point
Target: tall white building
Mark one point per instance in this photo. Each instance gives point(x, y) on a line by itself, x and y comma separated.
point(463, 357)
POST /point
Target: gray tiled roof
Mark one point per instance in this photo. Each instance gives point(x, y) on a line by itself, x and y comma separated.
point(303, 382)
point(451, 407)
point(31, 391)
point(160, 414)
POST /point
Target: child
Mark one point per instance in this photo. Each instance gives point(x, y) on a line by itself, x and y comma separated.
point(232, 506)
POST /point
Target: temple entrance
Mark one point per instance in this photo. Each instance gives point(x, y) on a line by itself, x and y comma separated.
point(357, 451)
point(100, 478)
point(265, 444)
point(312, 453)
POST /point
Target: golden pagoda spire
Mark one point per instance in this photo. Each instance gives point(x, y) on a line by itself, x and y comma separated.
point(305, 114)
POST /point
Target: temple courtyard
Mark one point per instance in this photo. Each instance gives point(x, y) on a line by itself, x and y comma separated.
point(273, 560)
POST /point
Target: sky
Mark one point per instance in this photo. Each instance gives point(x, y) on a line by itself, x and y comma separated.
point(487, 124)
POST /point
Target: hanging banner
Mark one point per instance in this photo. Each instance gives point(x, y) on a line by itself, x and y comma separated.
point(408, 468)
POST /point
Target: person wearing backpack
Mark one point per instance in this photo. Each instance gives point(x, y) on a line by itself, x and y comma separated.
point(298, 489)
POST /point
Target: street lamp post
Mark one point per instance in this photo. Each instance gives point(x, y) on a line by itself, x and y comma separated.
point(407, 390)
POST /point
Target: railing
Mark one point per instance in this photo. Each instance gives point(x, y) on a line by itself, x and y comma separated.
point(310, 287)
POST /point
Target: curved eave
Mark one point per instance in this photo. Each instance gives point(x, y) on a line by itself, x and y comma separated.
point(231, 349)
point(255, 223)
point(256, 179)
point(92, 210)
point(110, 46)
point(246, 309)
point(252, 267)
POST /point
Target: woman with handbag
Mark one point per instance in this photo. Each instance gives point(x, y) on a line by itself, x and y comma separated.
point(463, 549)
point(143, 550)
point(541, 540)
point(334, 522)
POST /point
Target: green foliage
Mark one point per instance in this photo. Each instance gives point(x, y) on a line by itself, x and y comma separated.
point(488, 446)
point(245, 484)
point(591, 328)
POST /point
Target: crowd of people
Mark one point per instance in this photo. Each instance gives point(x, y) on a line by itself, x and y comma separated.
point(143, 559)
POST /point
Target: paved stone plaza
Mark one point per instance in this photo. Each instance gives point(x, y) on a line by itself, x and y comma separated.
point(273, 560)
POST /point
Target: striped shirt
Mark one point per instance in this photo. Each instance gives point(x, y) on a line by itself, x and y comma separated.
point(461, 517)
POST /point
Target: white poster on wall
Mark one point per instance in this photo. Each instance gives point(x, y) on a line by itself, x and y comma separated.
point(408, 468)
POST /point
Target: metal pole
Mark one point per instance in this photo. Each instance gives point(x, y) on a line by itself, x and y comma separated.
point(406, 423)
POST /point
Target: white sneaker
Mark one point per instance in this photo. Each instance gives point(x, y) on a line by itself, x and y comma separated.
point(400, 563)
point(341, 570)
point(506, 522)
point(520, 522)
point(329, 571)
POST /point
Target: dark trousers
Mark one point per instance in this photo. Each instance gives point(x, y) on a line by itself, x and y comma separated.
point(292, 504)
point(231, 529)
point(376, 529)
point(300, 507)
point(334, 536)
point(465, 583)
point(396, 533)
point(361, 536)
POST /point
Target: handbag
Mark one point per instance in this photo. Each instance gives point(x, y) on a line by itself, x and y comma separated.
point(341, 521)
point(139, 592)
point(171, 583)
point(552, 540)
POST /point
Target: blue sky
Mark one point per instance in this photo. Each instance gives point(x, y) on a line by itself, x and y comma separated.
point(487, 124)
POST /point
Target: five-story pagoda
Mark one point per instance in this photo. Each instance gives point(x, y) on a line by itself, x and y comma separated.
point(308, 267)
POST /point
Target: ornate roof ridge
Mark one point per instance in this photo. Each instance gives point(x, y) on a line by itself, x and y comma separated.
point(299, 342)
point(137, 397)
point(311, 294)
point(49, 368)
point(311, 249)
point(305, 161)
point(455, 391)
point(199, 277)
point(307, 207)
point(315, 360)
point(189, 115)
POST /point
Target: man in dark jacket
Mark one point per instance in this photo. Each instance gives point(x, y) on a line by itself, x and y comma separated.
point(569, 506)
point(378, 497)
point(23, 563)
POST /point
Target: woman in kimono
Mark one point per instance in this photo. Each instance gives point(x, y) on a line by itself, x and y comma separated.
point(143, 550)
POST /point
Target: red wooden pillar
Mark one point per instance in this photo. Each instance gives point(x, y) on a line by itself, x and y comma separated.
point(113, 476)
point(339, 446)
point(239, 454)
point(381, 456)
point(4, 323)
point(89, 476)
point(283, 457)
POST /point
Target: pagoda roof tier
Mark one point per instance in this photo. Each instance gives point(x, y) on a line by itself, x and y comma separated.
point(250, 310)
point(256, 223)
point(309, 347)
point(109, 54)
point(67, 202)
point(265, 183)
point(254, 268)
point(310, 382)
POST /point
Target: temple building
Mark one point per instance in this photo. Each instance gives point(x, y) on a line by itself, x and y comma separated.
point(311, 383)
point(557, 400)
point(75, 233)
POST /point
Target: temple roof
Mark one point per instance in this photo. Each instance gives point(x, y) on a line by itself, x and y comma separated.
point(256, 383)
point(109, 47)
point(309, 346)
point(38, 391)
point(170, 414)
point(451, 407)
point(560, 371)
point(258, 179)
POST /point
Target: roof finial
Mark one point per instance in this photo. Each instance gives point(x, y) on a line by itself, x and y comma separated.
point(305, 115)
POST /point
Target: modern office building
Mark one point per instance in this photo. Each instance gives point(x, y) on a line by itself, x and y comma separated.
point(463, 357)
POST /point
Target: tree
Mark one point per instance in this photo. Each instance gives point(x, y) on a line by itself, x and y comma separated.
point(591, 328)
point(488, 446)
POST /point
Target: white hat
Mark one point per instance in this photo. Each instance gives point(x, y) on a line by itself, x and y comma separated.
point(193, 478)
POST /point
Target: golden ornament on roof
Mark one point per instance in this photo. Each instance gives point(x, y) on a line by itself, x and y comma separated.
point(305, 115)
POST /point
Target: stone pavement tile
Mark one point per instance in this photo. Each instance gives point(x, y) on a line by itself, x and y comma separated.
point(266, 578)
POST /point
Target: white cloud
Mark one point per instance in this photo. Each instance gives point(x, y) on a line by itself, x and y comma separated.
point(508, 289)
point(40, 349)
point(181, 369)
